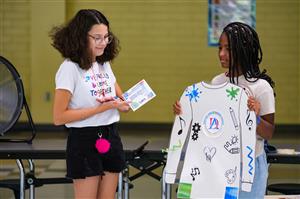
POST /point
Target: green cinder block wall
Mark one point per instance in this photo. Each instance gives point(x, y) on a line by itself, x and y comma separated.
point(163, 42)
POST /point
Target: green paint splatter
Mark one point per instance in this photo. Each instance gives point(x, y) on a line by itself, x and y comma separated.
point(232, 93)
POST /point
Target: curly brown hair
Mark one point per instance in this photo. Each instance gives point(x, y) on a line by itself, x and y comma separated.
point(72, 42)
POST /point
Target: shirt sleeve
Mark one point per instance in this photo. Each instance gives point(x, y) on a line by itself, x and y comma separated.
point(248, 141)
point(65, 77)
point(178, 136)
point(267, 101)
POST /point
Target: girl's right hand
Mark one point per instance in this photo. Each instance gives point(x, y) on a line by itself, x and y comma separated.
point(177, 108)
point(117, 103)
point(254, 105)
point(105, 99)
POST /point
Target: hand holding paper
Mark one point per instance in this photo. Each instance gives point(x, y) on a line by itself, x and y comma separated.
point(122, 106)
point(138, 95)
point(116, 102)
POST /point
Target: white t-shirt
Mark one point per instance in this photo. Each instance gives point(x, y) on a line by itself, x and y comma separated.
point(218, 131)
point(86, 86)
point(260, 90)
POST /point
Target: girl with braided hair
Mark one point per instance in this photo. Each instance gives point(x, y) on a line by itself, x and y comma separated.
point(240, 54)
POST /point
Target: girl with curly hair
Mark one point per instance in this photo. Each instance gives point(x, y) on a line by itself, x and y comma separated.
point(87, 101)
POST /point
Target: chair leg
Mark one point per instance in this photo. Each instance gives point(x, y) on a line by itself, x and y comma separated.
point(16, 194)
point(13, 185)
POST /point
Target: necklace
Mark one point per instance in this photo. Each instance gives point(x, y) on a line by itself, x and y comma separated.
point(99, 83)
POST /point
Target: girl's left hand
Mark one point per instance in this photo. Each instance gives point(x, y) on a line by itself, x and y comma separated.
point(122, 106)
point(253, 105)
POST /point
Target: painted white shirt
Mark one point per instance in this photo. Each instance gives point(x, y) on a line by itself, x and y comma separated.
point(216, 132)
point(86, 86)
point(260, 90)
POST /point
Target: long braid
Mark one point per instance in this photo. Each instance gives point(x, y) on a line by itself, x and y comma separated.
point(245, 50)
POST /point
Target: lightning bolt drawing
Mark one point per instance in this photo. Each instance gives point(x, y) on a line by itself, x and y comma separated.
point(174, 147)
point(251, 160)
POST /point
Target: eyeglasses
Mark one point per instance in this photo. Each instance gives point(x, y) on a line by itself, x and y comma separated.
point(98, 40)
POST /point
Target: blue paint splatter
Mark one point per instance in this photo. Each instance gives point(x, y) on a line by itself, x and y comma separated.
point(251, 160)
point(231, 193)
point(193, 94)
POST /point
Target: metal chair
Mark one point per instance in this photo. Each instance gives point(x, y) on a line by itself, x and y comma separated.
point(285, 188)
point(14, 184)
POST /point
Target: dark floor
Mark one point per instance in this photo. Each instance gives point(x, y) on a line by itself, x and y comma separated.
point(145, 187)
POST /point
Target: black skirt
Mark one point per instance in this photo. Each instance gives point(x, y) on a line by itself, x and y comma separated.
point(83, 159)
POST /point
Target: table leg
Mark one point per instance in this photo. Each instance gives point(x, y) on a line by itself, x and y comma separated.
point(120, 185)
point(126, 183)
point(22, 178)
point(169, 191)
point(31, 186)
point(165, 187)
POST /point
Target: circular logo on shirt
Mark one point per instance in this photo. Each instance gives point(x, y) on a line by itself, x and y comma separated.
point(213, 122)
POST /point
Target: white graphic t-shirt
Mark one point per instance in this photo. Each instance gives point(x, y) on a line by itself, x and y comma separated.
point(261, 91)
point(86, 86)
point(217, 133)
